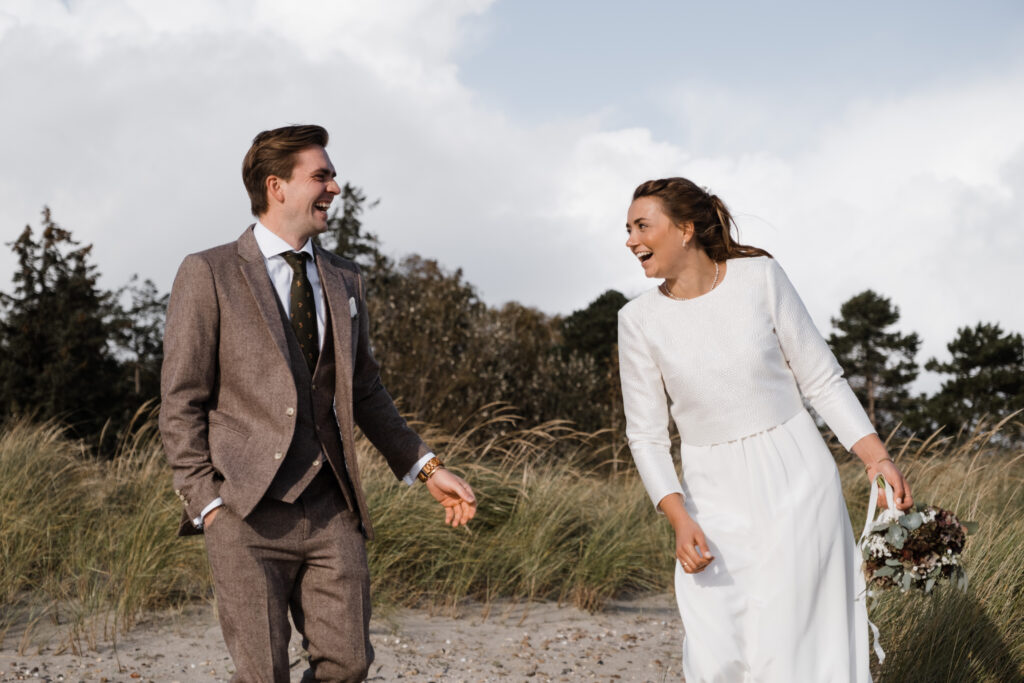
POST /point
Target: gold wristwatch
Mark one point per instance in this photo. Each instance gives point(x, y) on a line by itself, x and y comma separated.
point(429, 468)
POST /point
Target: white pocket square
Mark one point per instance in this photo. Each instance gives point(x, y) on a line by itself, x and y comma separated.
point(352, 308)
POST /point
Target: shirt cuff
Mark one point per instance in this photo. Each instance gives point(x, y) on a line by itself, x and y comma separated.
point(410, 478)
point(215, 503)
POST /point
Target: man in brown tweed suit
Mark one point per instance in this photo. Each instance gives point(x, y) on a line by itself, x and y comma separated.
point(267, 370)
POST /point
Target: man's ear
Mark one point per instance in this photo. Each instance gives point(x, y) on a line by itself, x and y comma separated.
point(275, 189)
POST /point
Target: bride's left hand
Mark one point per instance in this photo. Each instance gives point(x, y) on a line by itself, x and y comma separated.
point(901, 489)
point(875, 457)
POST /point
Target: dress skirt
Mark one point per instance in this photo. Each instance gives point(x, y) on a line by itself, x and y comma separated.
point(784, 600)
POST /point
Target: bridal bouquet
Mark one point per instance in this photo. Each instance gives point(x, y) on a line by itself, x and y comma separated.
point(915, 549)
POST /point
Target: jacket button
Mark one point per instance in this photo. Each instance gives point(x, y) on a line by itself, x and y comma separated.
point(278, 455)
point(315, 463)
point(289, 412)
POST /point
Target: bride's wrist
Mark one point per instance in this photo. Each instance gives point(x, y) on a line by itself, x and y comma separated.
point(868, 467)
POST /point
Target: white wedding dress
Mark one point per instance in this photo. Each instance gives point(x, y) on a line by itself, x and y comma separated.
point(783, 601)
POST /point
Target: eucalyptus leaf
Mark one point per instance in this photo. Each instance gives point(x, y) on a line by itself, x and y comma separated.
point(929, 585)
point(896, 536)
point(911, 521)
point(907, 580)
point(972, 527)
point(893, 563)
point(884, 571)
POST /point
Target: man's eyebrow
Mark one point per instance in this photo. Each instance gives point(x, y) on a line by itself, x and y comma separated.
point(326, 171)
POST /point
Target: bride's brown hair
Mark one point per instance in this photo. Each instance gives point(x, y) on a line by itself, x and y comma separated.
point(685, 202)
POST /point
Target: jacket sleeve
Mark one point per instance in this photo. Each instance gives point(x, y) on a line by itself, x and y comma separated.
point(187, 381)
point(373, 409)
point(818, 374)
point(646, 407)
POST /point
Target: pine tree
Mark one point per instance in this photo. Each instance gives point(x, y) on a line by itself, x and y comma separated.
point(987, 368)
point(140, 332)
point(56, 359)
point(345, 235)
point(877, 361)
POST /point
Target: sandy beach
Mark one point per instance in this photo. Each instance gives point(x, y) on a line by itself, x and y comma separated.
point(634, 640)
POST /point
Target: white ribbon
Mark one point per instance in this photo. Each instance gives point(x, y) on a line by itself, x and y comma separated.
point(873, 505)
point(868, 523)
point(874, 641)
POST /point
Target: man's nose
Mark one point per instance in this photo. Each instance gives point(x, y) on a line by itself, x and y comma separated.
point(333, 187)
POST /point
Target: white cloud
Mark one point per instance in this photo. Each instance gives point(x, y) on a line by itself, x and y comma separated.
point(918, 198)
point(130, 118)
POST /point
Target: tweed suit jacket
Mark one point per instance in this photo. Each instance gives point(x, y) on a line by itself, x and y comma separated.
point(228, 395)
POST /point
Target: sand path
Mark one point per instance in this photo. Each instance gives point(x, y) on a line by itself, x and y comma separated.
point(635, 640)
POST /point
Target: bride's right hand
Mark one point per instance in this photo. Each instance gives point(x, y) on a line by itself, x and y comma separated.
point(691, 546)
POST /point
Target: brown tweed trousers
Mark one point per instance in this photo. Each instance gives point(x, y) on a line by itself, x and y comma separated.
point(228, 419)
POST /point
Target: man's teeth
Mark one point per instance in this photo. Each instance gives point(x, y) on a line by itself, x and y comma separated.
point(644, 255)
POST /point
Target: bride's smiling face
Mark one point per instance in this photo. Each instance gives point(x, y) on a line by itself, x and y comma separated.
point(655, 239)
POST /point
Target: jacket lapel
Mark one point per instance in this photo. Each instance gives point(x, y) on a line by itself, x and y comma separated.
point(255, 272)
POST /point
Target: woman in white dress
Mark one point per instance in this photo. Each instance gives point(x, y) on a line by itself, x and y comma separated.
point(768, 574)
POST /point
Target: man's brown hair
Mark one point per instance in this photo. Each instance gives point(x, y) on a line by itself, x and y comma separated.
point(273, 153)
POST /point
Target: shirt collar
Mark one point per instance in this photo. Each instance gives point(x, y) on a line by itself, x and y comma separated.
point(272, 245)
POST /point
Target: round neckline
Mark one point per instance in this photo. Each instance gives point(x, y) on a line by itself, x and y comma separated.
point(705, 295)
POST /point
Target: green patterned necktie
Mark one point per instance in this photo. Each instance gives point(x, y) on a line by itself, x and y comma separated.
point(303, 310)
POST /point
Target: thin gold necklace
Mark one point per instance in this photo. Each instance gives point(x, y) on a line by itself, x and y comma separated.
point(663, 287)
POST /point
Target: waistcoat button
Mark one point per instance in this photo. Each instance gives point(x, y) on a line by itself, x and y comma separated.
point(278, 455)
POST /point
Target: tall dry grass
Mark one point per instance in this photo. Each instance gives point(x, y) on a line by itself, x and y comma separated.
point(547, 526)
point(86, 544)
point(91, 544)
point(977, 635)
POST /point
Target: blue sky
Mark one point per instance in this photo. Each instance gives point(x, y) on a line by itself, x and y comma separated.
point(538, 60)
point(866, 145)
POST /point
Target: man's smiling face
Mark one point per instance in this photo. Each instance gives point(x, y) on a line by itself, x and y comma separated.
point(309, 192)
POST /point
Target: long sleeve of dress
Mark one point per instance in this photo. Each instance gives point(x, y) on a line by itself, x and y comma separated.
point(646, 406)
point(818, 374)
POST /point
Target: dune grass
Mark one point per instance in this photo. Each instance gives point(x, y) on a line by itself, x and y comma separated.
point(85, 543)
point(546, 527)
point(91, 545)
point(977, 635)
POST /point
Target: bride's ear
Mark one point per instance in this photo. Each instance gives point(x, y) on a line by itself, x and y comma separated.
point(687, 230)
